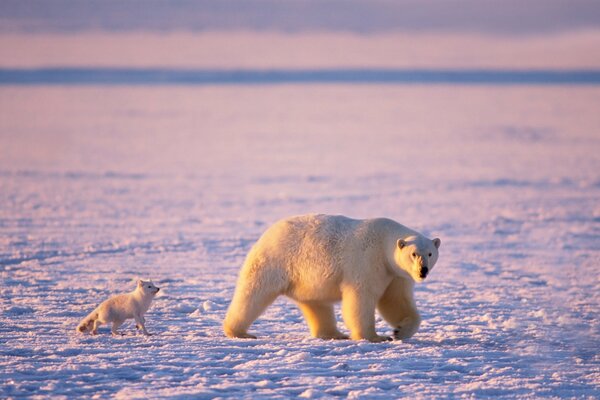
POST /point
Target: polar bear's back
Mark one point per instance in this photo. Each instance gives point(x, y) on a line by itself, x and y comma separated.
point(326, 237)
point(313, 236)
point(302, 255)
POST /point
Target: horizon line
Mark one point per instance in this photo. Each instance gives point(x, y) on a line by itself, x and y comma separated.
point(154, 76)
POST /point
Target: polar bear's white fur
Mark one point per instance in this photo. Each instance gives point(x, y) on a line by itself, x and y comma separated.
point(318, 260)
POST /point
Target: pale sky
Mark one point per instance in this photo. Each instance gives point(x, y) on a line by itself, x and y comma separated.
point(559, 34)
point(484, 16)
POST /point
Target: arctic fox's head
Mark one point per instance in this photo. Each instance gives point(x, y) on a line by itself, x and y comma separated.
point(147, 287)
point(417, 255)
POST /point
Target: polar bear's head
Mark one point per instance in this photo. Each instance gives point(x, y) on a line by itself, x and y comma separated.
point(417, 255)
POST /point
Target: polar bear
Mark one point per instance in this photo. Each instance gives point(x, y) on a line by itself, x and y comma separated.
point(318, 260)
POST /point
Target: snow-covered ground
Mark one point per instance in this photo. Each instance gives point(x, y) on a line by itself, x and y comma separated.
point(101, 185)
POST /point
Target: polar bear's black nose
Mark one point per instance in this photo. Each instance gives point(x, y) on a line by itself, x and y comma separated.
point(424, 272)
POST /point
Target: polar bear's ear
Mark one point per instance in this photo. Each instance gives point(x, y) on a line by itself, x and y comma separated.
point(401, 243)
point(437, 242)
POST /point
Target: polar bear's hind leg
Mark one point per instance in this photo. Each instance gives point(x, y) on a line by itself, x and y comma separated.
point(321, 320)
point(245, 308)
point(252, 296)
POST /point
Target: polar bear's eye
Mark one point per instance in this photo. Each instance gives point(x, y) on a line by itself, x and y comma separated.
point(414, 254)
point(429, 254)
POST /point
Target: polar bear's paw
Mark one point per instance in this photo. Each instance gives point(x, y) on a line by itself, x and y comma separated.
point(379, 339)
point(398, 334)
point(244, 336)
point(333, 336)
point(374, 338)
point(407, 327)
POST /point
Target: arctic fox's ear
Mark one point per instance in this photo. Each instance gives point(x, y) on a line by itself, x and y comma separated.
point(140, 282)
point(401, 243)
point(437, 242)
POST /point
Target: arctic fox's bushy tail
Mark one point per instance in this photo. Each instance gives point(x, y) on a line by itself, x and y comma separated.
point(87, 323)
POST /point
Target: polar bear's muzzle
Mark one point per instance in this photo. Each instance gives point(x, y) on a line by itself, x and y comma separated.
point(423, 272)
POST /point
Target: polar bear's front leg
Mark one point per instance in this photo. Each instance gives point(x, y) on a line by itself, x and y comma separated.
point(397, 306)
point(358, 310)
point(321, 320)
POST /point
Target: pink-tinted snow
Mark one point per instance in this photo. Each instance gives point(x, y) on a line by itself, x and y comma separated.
point(99, 186)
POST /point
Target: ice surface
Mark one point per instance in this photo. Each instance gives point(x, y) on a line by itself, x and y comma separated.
point(263, 49)
point(99, 186)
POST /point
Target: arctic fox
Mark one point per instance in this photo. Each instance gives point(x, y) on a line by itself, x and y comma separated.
point(119, 308)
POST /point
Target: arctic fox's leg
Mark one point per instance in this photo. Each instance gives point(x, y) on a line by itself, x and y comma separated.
point(397, 306)
point(115, 325)
point(321, 320)
point(138, 326)
point(139, 322)
point(358, 310)
point(95, 327)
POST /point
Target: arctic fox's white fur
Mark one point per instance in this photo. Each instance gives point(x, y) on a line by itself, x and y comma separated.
point(318, 260)
point(119, 308)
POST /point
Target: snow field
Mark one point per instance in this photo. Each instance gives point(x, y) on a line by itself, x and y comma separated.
point(99, 186)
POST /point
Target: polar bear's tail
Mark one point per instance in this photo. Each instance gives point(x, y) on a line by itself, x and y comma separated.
point(87, 323)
